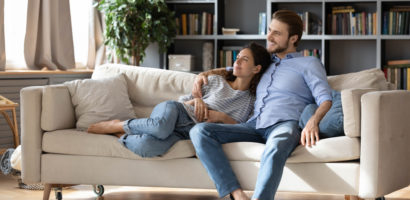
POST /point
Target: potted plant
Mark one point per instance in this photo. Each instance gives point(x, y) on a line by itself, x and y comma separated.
point(131, 25)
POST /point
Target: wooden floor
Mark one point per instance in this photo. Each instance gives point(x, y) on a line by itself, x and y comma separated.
point(10, 191)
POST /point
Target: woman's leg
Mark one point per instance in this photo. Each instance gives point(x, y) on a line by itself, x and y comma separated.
point(146, 145)
point(107, 127)
point(160, 124)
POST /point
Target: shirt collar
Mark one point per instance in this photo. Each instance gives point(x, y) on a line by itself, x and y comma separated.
point(276, 59)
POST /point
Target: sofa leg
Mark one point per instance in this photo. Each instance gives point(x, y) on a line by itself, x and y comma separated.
point(352, 197)
point(47, 190)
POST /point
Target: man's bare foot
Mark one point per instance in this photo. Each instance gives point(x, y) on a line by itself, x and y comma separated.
point(238, 194)
point(106, 127)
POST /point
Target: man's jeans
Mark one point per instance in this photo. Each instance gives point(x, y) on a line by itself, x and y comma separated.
point(281, 139)
point(148, 137)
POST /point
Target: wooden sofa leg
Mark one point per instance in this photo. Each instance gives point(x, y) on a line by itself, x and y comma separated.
point(47, 190)
point(352, 197)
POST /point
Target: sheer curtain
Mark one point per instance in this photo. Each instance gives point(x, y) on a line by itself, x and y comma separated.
point(49, 40)
point(96, 47)
point(15, 16)
point(2, 50)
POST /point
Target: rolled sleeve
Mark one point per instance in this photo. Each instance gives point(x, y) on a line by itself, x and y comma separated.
point(316, 80)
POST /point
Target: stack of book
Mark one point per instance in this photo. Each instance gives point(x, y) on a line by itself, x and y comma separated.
point(344, 20)
point(396, 21)
point(195, 24)
point(227, 55)
point(312, 25)
point(311, 52)
point(398, 73)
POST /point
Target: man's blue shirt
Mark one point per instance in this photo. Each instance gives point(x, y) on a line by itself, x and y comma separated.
point(287, 86)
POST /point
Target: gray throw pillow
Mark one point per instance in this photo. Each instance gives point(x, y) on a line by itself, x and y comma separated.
point(98, 100)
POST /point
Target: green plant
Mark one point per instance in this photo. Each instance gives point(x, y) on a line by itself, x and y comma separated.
point(131, 25)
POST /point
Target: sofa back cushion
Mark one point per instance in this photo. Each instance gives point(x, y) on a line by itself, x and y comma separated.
point(371, 78)
point(148, 86)
point(352, 87)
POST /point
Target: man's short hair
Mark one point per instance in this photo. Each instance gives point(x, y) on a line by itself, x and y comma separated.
point(294, 22)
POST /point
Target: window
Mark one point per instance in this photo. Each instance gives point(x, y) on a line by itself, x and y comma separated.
point(80, 19)
point(15, 16)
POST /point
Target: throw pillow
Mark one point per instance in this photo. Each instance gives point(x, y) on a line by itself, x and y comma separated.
point(332, 123)
point(96, 100)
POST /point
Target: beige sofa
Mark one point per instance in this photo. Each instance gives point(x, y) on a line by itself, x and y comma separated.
point(371, 161)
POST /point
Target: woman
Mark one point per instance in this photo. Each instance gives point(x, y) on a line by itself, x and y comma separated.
point(227, 99)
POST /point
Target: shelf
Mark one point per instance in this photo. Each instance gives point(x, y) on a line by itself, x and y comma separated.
point(350, 37)
point(241, 37)
point(296, 1)
point(190, 1)
point(395, 37)
point(194, 37)
point(312, 37)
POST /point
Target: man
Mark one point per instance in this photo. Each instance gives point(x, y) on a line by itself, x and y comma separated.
point(288, 85)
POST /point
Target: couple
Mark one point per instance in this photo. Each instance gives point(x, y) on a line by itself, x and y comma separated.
point(285, 87)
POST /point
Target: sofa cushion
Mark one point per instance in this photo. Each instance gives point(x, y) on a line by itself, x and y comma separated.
point(74, 142)
point(371, 78)
point(148, 86)
point(58, 111)
point(351, 106)
point(326, 150)
point(100, 100)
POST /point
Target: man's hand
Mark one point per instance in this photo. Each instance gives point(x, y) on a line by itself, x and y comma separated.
point(201, 79)
point(201, 110)
point(310, 134)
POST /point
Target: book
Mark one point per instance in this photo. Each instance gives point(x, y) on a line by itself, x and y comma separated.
point(203, 24)
point(398, 62)
point(184, 24)
point(408, 79)
point(209, 23)
point(262, 23)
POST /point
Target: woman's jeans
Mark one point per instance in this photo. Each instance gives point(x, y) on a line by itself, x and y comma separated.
point(281, 139)
point(154, 136)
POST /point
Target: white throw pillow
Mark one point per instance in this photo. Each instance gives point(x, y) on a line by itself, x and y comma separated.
point(98, 100)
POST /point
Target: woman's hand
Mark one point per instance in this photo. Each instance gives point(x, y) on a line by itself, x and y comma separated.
point(219, 117)
point(201, 110)
point(201, 79)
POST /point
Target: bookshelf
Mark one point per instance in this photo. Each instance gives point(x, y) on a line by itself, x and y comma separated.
point(340, 53)
point(226, 13)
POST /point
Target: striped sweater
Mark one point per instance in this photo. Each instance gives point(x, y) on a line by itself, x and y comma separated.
point(220, 96)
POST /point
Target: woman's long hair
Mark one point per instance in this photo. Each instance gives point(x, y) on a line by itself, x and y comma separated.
point(261, 57)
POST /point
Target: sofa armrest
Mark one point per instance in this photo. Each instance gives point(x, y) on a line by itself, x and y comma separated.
point(57, 111)
point(31, 133)
point(385, 132)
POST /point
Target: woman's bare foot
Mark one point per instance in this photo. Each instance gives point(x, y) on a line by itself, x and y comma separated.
point(238, 194)
point(107, 127)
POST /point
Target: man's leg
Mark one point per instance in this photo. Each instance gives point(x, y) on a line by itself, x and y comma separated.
point(281, 139)
point(207, 139)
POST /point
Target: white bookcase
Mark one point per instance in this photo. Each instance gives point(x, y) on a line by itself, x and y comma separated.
point(339, 53)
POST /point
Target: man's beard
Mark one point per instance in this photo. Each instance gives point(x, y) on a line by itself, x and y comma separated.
point(281, 49)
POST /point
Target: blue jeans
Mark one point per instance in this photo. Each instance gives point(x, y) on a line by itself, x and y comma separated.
point(331, 124)
point(148, 137)
point(281, 139)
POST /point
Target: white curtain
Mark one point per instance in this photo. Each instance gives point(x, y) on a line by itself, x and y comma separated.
point(49, 40)
point(2, 47)
point(96, 47)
